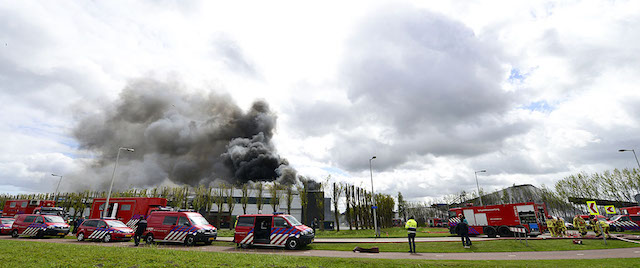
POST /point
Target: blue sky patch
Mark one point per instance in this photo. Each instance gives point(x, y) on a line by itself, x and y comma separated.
point(540, 106)
point(516, 76)
point(335, 171)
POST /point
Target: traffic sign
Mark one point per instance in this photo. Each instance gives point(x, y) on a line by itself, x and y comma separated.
point(593, 208)
point(610, 209)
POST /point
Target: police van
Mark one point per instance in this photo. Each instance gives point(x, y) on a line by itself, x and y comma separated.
point(179, 227)
point(279, 230)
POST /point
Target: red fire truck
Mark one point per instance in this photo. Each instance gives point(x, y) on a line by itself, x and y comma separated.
point(127, 209)
point(630, 210)
point(24, 206)
point(496, 219)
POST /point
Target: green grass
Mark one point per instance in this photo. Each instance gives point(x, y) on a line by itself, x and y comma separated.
point(480, 246)
point(43, 254)
point(384, 232)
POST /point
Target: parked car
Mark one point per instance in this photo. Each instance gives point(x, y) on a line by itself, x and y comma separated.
point(105, 230)
point(39, 226)
point(5, 225)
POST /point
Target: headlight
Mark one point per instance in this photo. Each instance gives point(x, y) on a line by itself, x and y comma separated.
point(201, 231)
point(50, 227)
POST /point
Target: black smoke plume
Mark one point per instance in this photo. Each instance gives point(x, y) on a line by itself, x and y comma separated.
point(185, 138)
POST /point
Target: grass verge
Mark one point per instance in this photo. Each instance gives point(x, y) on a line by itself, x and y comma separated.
point(42, 254)
point(481, 246)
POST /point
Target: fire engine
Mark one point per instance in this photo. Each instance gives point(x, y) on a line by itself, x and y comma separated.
point(127, 209)
point(24, 206)
point(630, 210)
point(496, 219)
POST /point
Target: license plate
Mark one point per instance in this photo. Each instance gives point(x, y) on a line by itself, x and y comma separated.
point(60, 233)
point(211, 238)
point(127, 235)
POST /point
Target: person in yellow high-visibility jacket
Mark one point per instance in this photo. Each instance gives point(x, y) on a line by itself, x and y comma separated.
point(580, 224)
point(412, 227)
point(551, 225)
point(561, 227)
point(605, 228)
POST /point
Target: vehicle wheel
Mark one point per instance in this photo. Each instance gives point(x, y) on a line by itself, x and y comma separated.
point(62, 236)
point(292, 243)
point(40, 234)
point(504, 231)
point(490, 232)
point(14, 234)
point(80, 236)
point(208, 243)
point(190, 241)
point(149, 239)
point(106, 238)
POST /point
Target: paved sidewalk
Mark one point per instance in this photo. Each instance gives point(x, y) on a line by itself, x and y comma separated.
point(383, 240)
point(533, 255)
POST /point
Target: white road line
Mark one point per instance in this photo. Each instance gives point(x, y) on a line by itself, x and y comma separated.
point(439, 255)
point(580, 254)
point(512, 255)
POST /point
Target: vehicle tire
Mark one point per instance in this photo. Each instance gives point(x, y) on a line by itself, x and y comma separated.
point(190, 241)
point(62, 236)
point(40, 234)
point(14, 234)
point(504, 231)
point(80, 236)
point(490, 232)
point(106, 238)
point(149, 239)
point(208, 243)
point(292, 243)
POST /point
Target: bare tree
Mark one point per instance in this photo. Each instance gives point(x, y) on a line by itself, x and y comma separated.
point(244, 200)
point(337, 192)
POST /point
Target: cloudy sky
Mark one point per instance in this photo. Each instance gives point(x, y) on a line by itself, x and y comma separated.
point(529, 92)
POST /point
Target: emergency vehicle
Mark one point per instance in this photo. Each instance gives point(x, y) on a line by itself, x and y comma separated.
point(435, 222)
point(630, 210)
point(127, 209)
point(279, 230)
point(50, 211)
point(24, 206)
point(496, 219)
point(5, 225)
point(179, 226)
point(621, 223)
point(105, 230)
point(39, 226)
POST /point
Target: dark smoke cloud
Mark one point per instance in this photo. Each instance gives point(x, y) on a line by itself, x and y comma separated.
point(184, 138)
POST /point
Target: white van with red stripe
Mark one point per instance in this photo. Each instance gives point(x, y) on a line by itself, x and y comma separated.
point(279, 230)
point(179, 227)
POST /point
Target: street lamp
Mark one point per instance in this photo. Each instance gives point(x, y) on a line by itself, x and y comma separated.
point(106, 205)
point(477, 185)
point(634, 154)
point(375, 207)
point(56, 193)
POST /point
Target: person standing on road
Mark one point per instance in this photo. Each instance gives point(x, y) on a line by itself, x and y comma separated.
point(77, 223)
point(412, 227)
point(141, 226)
point(579, 223)
point(462, 229)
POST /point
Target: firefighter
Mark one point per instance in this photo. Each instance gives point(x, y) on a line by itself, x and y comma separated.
point(596, 227)
point(561, 227)
point(551, 225)
point(141, 226)
point(604, 226)
point(580, 224)
point(411, 227)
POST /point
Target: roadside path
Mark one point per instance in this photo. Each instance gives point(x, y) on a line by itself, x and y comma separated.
point(533, 255)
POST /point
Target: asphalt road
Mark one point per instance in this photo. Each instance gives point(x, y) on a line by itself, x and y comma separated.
point(540, 255)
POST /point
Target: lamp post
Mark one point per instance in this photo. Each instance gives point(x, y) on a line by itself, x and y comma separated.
point(106, 205)
point(373, 195)
point(56, 193)
point(634, 154)
point(477, 185)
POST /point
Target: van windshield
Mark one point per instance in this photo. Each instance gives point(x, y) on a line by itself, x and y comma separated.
point(116, 224)
point(293, 220)
point(55, 219)
point(198, 220)
point(7, 221)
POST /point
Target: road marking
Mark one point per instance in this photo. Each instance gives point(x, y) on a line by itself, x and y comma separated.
point(636, 252)
point(439, 255)
point(580, 254)
point(512, 255)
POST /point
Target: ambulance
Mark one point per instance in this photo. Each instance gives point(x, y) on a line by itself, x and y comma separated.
point(497, 219)
point(24, 206)
point(127, 209)
point(39, 226)
point(179, 227)
point(104, 230)
point(277, 230)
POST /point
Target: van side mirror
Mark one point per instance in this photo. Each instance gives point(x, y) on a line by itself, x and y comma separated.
point(186, 224)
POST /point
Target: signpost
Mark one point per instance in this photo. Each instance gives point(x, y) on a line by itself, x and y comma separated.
point(610, 209)
point(593, 208)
